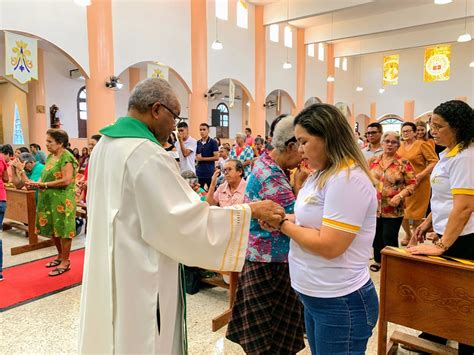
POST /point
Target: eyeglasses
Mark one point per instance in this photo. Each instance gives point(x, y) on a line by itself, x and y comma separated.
point(391, 142)
point(177, 119)
point(407, 131)
point(227, 170)
point(436, 127)
point(371, 133)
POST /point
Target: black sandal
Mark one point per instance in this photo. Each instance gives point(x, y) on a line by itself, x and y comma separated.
point(375, 267)
point(53, 263)
point(60, 270)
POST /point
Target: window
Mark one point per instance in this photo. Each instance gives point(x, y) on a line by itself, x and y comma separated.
point(321, 52)
point(288, 37)
point(311, 50)
point(274, 29)
point(222, 9)
point(224, 114)
point(82, 113)
point(337, 62)
point(344, 64)
point(18, 137)
point(242, 14)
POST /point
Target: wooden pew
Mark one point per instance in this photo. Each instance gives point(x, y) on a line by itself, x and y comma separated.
point(428, 294)
point(21, 214)
point(223, 319)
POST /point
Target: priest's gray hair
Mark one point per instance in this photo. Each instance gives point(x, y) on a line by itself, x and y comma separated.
point(284, 131)
point(149, 91)
point(27, 158)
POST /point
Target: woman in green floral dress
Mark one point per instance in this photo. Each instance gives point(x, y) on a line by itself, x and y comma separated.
point(56, 211)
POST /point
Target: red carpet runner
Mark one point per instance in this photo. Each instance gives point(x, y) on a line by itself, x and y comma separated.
point(27, 282)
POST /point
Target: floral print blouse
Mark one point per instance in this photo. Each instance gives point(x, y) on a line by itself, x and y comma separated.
point(390, 181)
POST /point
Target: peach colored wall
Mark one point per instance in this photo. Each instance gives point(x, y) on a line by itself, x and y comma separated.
point(331, 71)
point(198, 105)
point(100, 99)
point(300, 69)
point(78, 143)
point(373, 112)
point(257, 110)
point(409, 110)
point(37, 122)
point(133, 77)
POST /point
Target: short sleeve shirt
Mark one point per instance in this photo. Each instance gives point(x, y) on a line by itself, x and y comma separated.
point(35, 174)
point(268, 182)
point(205, 169)
point(226, 198)
point(189, 162)
point(371, 153)
point(3, 167)
point(347, 202)
point(452, 175)
point(245, 155)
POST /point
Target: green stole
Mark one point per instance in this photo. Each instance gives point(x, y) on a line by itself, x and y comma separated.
point(129, 127)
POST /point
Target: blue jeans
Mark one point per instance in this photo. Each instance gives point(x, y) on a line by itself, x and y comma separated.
point(3, 207)
point(341, 325)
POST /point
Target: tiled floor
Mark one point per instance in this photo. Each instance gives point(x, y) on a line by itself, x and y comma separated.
point(50, 325)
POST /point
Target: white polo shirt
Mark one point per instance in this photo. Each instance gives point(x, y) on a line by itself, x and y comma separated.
point(347, 202)
point(452, 175)
point(189, 162)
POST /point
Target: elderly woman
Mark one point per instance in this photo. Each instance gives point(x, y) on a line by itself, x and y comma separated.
point(396, 180)
point(56, 211)
point(423, 157)
point(331, 234)
point(242, 152)
point(452, 182)
point(232, 191)
point(267, 316)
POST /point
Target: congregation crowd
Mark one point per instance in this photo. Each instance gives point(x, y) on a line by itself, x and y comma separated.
point(342, 198)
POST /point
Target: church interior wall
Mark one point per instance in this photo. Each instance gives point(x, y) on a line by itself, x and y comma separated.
point(236, 59)
point(10, 96)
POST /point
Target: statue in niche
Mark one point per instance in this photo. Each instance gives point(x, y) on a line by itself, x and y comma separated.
point(55, 117)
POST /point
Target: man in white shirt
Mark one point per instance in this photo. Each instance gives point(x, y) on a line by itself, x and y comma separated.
point(374, 135)
point(186, 146)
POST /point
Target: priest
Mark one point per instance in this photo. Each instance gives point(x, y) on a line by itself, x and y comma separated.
point(143, 220)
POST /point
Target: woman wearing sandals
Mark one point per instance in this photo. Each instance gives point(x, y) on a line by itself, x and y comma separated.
point(395, 180)
point(56, 212)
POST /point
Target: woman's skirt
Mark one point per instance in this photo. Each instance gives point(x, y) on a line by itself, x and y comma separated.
point(267, 317)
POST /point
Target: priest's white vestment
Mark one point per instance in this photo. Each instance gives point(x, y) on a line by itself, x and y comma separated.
point(144, 219)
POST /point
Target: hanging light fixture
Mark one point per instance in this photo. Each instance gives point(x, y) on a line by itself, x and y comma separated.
point(359, 88)
point(287, 64)
point(442, 2)
point(331, 78)
point(465, 37)
point(471, 65)
point(217, 45)
point(381, 90)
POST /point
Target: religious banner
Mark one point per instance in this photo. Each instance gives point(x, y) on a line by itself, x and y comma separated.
point(437, 63)
point(157, 71)
point(231, 93)
point(390, 69)
point(21, 57)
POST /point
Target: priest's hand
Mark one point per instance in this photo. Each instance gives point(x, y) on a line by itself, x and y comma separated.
point(268, 211)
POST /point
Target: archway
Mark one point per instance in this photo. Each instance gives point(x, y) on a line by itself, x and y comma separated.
point(425, 117)
point(234, 115)
point(140, 71)
point(277, 102)
point(312, 100)
point(60, 78)
point(391, 122)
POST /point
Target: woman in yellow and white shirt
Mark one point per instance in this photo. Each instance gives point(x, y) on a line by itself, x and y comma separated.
point(331, 234)
point(452, 185)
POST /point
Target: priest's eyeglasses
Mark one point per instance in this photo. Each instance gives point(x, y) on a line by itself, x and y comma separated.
point(177, 119)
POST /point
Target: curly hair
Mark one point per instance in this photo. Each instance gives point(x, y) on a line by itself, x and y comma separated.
point(460, 118)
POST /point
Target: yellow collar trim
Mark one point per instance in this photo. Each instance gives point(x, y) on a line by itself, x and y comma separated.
point(453, 152)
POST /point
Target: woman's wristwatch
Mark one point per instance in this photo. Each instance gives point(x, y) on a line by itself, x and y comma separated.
point(440, 245)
